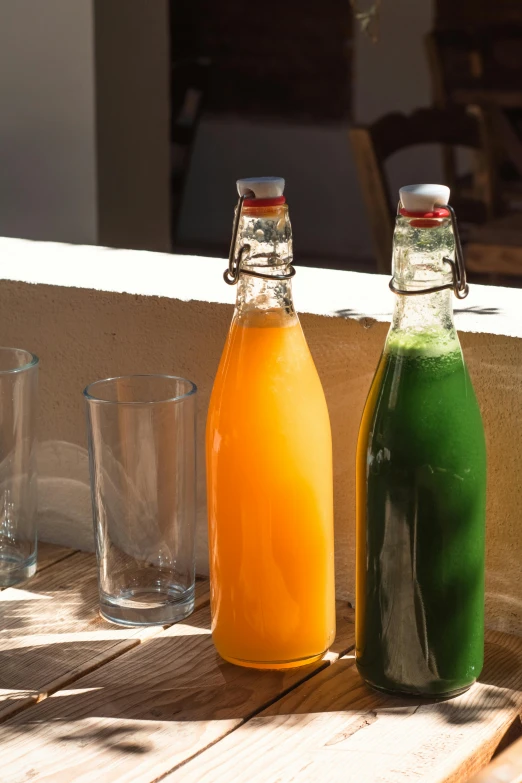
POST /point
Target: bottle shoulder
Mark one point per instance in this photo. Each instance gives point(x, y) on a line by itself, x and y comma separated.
point(267, 363)
point(418, 399)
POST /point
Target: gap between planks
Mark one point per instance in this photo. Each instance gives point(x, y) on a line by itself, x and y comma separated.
point(334, 725)
point(177, 698)
point(145, 634)
point(48, 555)
point(135, 718)
point(331, 657)
point(51, 554)
point(71, 581)
point(329, 660)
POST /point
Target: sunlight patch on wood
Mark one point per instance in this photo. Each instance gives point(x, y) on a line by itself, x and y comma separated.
point(15, 594)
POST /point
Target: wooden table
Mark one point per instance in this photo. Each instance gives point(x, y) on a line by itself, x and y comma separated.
point(496, 247)
point(85, 701)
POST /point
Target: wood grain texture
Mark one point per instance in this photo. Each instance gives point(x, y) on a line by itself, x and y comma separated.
point(49, 554)
point(51, 632)
point(506, 768)
point(137, 717)
point(334, 728)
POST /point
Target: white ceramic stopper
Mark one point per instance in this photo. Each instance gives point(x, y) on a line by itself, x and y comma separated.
point(423, 198)
point(261, 187)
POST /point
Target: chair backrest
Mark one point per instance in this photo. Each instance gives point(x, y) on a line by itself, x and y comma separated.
point(501, 53)
point(488, 58)
point(484, 61)
point(373, 145)
point(455, 61)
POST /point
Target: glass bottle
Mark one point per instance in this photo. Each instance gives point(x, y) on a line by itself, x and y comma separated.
point(269, 459)
point(421, 476)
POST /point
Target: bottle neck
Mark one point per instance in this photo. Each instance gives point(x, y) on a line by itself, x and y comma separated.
point(268, 234)
point(418, 263)
point(424, 313)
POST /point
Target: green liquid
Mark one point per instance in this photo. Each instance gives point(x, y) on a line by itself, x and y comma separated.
point(421, 486)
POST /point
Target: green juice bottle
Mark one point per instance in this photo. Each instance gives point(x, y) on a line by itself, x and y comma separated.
point(421, 476)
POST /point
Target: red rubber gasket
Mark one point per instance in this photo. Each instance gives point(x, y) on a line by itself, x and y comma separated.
point(437, 213)
point(264, 202)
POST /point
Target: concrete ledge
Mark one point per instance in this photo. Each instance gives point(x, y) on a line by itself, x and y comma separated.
point(93, 312)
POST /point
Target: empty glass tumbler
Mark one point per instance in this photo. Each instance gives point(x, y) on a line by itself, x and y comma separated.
point(142, 450)
point(18, 477)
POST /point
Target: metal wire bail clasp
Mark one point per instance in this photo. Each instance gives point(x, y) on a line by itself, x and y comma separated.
point(231, 275)
point(459, 285)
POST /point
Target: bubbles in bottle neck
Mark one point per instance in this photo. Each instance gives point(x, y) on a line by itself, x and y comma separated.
point(268, 233)
point(419, 251)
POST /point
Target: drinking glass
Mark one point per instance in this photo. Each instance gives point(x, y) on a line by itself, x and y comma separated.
point(18, 477)
point(142, 452)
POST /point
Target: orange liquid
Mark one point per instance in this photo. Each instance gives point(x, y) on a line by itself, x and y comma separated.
point(269, 475)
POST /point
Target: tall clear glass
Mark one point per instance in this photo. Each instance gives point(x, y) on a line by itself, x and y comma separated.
point(18, 477)
point(142, 448)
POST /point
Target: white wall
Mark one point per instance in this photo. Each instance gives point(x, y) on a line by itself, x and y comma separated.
point(393, 75)
point(47, 131)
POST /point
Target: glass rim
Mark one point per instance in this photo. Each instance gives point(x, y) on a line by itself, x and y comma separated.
point(33, 360)
point(91, 398)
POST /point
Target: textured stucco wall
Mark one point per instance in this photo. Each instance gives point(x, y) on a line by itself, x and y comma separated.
point(82, 335)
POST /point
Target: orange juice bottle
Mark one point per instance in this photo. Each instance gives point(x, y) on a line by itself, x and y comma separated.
point(269, 459)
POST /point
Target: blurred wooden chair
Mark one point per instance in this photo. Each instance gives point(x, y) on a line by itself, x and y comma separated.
point(483, 67)
point(454, 127)
point(455, 62)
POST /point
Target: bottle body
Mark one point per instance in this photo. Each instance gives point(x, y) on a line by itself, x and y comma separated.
point(269, 488)
point(421, 486)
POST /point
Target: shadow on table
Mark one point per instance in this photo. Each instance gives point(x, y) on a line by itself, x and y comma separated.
point(173, 690)
point(172, 697)
point(179, 677)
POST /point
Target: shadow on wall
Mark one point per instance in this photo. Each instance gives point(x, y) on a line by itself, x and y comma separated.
point(64, 495)
point(64, 503)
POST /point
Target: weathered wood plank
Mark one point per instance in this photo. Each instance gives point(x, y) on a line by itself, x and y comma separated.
point(49, 554)
point(137, 717)
point(506, 768)
point(51, 632)
point(334, 728)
